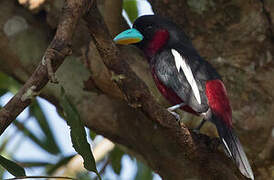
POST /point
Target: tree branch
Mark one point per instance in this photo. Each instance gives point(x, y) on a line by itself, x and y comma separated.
point(54, 56)
point(112, 13)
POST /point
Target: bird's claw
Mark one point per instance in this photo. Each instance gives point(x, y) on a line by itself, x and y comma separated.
point(176, 115)
point(198, 128)
point(173, 108)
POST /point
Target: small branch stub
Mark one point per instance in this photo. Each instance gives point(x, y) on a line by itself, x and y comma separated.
point(29, 94)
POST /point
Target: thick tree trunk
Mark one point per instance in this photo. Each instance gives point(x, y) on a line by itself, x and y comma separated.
point(236, 37)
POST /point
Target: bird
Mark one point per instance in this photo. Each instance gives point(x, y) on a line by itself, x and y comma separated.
point(185, 79)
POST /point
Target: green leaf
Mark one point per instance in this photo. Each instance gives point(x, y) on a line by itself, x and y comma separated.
point(2, 170)
point(4, 143)
point(78, 133)
point(115, 158)
point(3, 91)
point(33, 137)
point(52, 168)
point(12, 167)
point(92, 135)
point(143, 172)
point(49, 140)
point(8, 83)
point(130, 6)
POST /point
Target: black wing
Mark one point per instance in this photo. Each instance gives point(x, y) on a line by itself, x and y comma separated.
point(168, 74)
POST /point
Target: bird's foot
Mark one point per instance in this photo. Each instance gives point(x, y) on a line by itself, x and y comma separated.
point(173, 108)
point(198, 128)
point(176, 115)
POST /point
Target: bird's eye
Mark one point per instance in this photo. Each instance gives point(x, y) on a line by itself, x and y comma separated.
point(149, 28)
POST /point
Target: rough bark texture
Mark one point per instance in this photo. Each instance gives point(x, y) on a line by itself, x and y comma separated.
point(236, 37)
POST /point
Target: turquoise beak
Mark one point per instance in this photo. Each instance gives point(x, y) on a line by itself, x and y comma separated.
point(129, 36)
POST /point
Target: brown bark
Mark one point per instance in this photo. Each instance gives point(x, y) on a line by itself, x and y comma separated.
point(144, 127)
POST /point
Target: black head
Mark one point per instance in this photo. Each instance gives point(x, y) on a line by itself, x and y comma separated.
point(150, 25)
point(151, 33)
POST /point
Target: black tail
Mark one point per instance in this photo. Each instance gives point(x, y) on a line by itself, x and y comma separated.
point(233, 147)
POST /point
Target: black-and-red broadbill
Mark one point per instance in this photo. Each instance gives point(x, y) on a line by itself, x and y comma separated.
point(186, 79)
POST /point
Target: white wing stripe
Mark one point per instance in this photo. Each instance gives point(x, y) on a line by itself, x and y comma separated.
point(181, 64)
